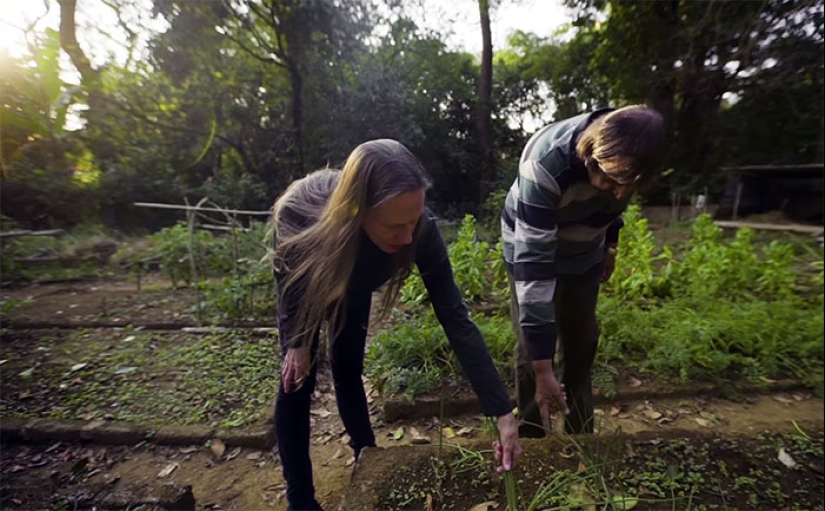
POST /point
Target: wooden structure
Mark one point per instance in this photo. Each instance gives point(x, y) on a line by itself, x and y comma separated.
point(796, 190)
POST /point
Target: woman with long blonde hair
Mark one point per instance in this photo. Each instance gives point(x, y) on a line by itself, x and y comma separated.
point(339, 236)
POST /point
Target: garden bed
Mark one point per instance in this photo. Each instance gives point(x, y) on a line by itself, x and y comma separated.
point(674, 470)
point(227, 379)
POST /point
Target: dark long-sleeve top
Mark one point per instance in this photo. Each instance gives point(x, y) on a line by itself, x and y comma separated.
point(374, 267)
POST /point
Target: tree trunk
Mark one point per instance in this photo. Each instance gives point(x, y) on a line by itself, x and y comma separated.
point(297, 82)
point(485, 93)
point(68, 41)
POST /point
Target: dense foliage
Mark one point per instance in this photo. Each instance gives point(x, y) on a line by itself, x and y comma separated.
point(233, 100)
point(723, 309)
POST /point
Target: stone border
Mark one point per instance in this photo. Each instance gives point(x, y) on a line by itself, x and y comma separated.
point(399, 408)
point(263, 436)
point(11, 324)
point(126, 433)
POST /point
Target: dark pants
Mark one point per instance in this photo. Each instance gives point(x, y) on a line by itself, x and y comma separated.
point(575, 301)
point(292, 409)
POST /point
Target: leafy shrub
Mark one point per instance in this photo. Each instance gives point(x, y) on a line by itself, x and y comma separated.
point(723, 310)
point(634, 277)
point(415, 357)
point(478, 269)
point(688, 339)
point(249, 295)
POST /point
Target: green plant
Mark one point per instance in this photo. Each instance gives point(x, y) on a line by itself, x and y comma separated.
point(776, 277)
point(635, 278)
point(240, 297)
point(413, 356)
point(478, 269)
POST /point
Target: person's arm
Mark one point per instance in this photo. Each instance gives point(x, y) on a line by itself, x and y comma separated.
point(534, 253)
point(611, 238)
point(611, 247)
point(534, 275)
point(464, 337)
point(467, 342)
point(297, 353)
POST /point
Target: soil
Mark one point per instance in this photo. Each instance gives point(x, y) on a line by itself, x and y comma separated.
point(252, 479)
point(41, 476)
point(674, 470)
point(103, 301)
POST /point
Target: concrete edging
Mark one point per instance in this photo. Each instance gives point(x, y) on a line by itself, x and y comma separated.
point(263, 436)
point(126, 433)
point(399, 408)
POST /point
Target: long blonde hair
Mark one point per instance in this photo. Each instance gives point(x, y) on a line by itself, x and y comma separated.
point(317, 224)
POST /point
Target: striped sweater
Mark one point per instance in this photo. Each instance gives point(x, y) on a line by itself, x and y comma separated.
point(554, 223)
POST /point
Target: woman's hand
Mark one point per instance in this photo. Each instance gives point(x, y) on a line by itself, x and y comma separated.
point(295, 369)
point(550, 396)
point(508, 448)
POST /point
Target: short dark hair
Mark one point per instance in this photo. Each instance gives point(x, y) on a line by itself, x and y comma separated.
point(629, 144)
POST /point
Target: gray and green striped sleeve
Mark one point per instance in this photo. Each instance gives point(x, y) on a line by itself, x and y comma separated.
point(534, 251)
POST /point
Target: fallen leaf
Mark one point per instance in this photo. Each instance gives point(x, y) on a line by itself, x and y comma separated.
point(27, 373)
point(398, 434)
point(321, 413)
point(419, 438)
point(448, 432)
point(786, 459)
point(464, 431)
point(129, 338)
point(634, 382)
point(598, 411)
point(350, 462)
point(324, 440)
point(255, 456)
point(624, 415)
point(189, 450)
point(168, 469)
point(783, 400)
point(218, 448)
point(564, 453)
point(125, 370)
point(78, 367)
point(640, 407)
point(615, 411)
point(234, 453)
point(582, 467)
point(652, 415)
point(702, 422)
point(684, 411)
point(485, 506)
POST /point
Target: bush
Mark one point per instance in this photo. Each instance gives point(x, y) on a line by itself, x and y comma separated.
point(415, 357)
point(478, 269)
point(721, 311)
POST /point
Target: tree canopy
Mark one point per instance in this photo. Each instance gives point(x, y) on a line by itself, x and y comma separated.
point(233, 99)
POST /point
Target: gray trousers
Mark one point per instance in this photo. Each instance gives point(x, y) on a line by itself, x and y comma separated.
point(575, 301)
